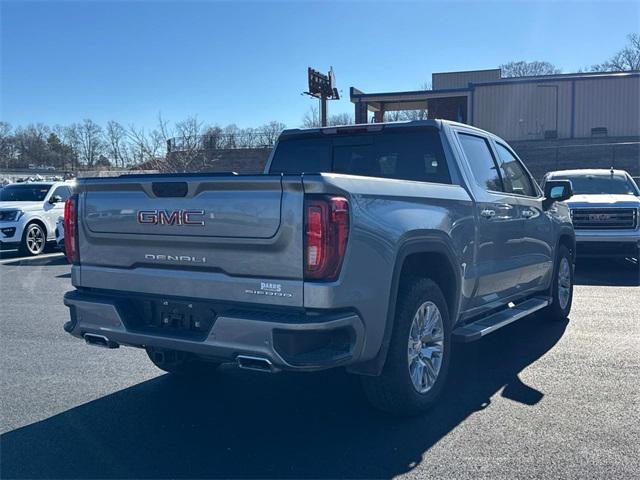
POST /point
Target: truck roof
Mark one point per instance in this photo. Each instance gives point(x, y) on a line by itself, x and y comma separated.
point(373, 127)
point(587, 171)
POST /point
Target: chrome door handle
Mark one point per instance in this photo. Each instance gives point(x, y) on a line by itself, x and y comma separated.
point(528, 213)
point(488, 213)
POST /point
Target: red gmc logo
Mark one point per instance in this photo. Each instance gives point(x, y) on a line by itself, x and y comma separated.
point(173, 217)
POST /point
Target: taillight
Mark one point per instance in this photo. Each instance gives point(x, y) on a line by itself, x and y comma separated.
point(71, 229)
point(327, 230)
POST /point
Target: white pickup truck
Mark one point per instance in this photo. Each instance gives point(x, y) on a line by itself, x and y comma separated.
point(605, 210)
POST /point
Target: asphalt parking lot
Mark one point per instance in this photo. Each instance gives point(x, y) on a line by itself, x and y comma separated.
point(536, 399)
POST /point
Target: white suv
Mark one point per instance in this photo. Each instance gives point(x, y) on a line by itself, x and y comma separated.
point(28, 214)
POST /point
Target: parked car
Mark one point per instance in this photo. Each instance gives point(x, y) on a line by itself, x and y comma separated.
point(415, 235)
point(28, 214)
point(605, 209)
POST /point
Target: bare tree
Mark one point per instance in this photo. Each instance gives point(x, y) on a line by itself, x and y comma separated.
point(91, 141)
point(340, 119)
point(407, 115)
point(188, 132)
point(311, 118)
point(271, 131)
point(527, 69)
point(116, 143)
point(163, 128)
point(30, 143)
point(70, 136)
point(231, 136)
point(6, 144)
point(248, 138)
point(624, 60)
point(139, 146)
point(156, 145)
point(212, 138)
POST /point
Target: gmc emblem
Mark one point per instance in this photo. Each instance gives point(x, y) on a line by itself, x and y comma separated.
point(173, 217)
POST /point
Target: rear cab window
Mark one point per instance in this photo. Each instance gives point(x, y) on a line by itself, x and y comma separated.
point(400, 153)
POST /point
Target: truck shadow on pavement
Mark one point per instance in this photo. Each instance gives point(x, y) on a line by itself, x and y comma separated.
point(246, 425)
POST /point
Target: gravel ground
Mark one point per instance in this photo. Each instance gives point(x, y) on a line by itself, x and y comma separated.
point(535, 399)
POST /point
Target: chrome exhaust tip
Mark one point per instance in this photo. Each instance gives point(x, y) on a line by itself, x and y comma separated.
point(259, 364)
point(99, 341)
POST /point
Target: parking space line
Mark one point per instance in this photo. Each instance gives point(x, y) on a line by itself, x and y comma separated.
point(27, 259)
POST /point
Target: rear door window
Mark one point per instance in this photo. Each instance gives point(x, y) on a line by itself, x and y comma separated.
point(481, 161)
point(62, 192)
point(515, 177)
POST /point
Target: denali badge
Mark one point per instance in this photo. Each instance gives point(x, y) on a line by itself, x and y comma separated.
point(175, 258)
point(173, 217)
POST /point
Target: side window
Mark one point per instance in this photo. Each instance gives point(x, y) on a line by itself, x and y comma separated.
point(481, 160)
point(516, 179)
point(63, 192)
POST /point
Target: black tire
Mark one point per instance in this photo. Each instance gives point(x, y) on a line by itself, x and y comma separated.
point(181, 364)
point(393, 391)
point(27, 244)
point(557, 311)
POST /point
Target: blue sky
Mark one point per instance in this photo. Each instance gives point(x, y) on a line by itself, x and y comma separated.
point(245, 63)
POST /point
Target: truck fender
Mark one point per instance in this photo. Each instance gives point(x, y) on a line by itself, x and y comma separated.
point(431, 242)
point(566, 231)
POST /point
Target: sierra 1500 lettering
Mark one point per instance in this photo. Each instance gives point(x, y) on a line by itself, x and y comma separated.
point(370, 248)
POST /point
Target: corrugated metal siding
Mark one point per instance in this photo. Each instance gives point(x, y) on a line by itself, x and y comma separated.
point(522, 111)
point(462, 79)
point(613, 103)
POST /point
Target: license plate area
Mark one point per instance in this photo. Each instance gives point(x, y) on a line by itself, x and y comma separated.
point(173, 318)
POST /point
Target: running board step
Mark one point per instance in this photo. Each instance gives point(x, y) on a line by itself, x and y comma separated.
point(484, 326)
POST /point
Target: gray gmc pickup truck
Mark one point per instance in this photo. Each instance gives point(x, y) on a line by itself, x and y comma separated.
point(368, 247)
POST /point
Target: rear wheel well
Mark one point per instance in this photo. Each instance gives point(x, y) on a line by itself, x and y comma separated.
point(41, 224)
point(435, 265)
point(438, 268)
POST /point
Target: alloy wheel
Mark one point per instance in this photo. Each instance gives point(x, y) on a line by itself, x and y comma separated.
point(564, 282)
point(35, 240)
point(425, 347)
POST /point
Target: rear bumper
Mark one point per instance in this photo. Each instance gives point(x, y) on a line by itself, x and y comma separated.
point(290, 341)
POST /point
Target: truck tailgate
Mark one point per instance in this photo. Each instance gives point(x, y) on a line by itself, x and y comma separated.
point(189, 229)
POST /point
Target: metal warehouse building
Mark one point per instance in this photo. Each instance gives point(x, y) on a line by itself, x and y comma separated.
point(566, 106)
